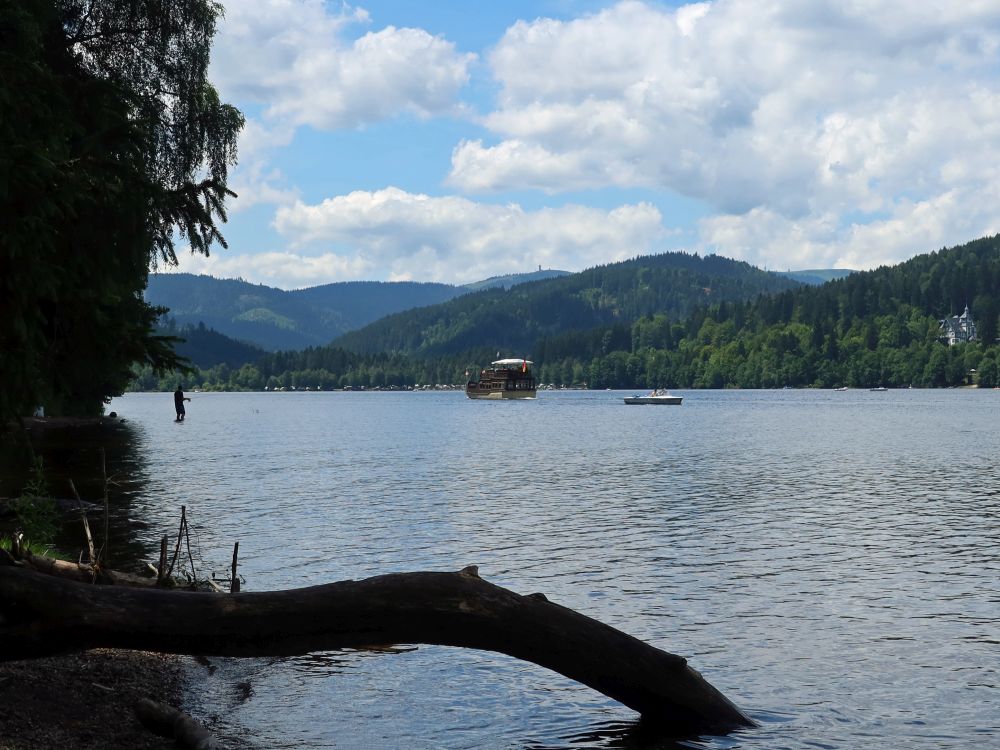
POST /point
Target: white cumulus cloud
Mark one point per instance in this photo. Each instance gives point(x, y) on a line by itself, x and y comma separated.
point(282, 269)
point(295, 58)
point(453, 239)
point(767, 238)
point(295, 63)
point(831, 121)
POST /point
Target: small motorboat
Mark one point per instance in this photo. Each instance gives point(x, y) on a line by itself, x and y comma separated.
point(657, 396)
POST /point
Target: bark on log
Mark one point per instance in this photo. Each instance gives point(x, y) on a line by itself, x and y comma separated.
point(42, 615)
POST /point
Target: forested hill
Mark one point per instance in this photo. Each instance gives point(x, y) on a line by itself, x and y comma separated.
point(874, 328)
point(513, 320)
point(817, 276)
point(513, 279)
point(206, 348)
point(277, 319)
point(871, 328)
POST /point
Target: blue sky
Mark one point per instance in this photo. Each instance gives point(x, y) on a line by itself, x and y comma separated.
point(451, 141)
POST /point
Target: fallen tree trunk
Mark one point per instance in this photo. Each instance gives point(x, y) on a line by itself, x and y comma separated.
point(41, 615)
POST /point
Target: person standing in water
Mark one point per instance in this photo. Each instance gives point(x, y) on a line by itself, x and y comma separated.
point(179, 399)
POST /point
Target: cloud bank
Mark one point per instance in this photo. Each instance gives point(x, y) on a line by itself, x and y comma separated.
point(830, 132)
point(293, 64)
point(402, 236)
point(294, 58)
point(454, 239)
point(815, 133)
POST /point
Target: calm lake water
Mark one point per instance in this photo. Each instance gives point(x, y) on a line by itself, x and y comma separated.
point(830, 561)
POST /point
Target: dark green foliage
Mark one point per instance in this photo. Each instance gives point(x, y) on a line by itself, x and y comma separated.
point(156, 53)
point(275, 319)
point(868, 329)
point(513, 279)
point(113, 140)
point(818, 276)
point(323, 368)
point(205, 348)
point(35, 514)
point(358, 303)
point(674, 284)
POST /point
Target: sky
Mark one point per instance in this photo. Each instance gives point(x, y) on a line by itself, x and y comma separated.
point(452, 141)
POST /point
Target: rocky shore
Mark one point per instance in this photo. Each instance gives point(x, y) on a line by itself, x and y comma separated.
point(83, 701)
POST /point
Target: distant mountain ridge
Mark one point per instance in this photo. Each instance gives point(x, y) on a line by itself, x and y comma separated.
point(516, 319)
point(513, 279)
point(870, 328)
point(275, 319)
point(204, 347)
point(817, 276)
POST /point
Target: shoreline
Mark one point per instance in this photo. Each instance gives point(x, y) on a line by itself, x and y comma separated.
point(85, 700)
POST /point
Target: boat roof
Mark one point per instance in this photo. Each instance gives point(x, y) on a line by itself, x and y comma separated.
point(518, 361)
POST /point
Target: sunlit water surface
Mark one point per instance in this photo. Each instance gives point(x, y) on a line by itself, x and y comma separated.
point(830, 561)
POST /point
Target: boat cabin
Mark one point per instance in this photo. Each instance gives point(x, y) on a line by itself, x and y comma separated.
point(503, 379)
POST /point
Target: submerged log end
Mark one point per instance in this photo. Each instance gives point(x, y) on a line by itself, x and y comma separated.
point(169, 722)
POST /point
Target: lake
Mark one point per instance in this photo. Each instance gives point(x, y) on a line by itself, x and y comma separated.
point(830, 561)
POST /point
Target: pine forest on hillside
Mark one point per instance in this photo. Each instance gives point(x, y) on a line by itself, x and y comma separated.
point(868, 329)
point(672, 284)
point(275, 319)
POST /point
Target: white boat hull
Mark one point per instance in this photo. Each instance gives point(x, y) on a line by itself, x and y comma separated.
point(500, 395)
point(664, 400)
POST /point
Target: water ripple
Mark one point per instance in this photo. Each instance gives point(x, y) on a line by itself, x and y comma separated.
point(828, 560)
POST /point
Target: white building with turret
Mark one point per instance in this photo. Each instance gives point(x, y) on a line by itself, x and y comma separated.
point(958, 329)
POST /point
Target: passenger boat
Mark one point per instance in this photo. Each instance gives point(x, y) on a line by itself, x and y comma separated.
point(504, 378)
point(655, 397)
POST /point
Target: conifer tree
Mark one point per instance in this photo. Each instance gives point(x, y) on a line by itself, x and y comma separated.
point(115, 144)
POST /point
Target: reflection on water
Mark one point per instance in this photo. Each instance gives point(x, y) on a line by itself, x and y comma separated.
point(86, 456)
point(828, 560)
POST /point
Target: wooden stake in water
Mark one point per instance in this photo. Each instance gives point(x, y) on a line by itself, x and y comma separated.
point(104, 481)
point(92, 556)
point(234, 584)
point(161, 570)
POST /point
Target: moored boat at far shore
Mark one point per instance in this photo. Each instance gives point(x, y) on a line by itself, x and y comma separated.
point(503, 379)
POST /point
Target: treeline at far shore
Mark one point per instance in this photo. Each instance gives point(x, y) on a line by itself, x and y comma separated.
point(931, 322)
point(780, 357)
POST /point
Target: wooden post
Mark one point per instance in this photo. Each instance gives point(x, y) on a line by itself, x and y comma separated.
point(161, 569)
point(105, 550)
point(177, 547)
point(92, 556)
point(234, 584)
point(187, 541)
